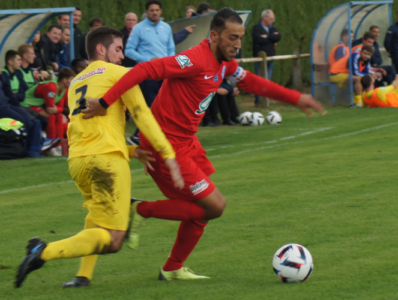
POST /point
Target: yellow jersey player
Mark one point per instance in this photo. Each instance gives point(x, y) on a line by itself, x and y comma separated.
point(98, 160)
point(385, 96)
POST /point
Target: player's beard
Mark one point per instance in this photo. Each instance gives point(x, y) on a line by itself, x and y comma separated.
point(119, 62)
point(221, 55)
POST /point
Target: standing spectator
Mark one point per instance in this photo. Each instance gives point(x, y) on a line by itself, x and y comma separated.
point(63, 57)
point(130, 20)
point(28, 56)
point(77, 32)
point(39, 63)
point(94, 23)
point(151, 39)
point(190, 11)
point(391, 42)
point(64, 20)
point(204, 8)
point(50, 46)
point(265, 36)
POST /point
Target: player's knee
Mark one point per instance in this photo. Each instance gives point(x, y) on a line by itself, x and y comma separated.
point(217, 208)
point(115, 247)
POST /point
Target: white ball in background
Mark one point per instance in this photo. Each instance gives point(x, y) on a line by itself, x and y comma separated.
point(257, 119)
point(245, 118)
point(274, 118)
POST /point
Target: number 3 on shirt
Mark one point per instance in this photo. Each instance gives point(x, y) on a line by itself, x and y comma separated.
point(82, 102)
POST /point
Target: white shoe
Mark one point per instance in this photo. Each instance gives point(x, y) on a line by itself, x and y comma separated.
point(57, 151)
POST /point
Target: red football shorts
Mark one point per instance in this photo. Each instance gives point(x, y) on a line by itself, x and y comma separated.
point(195, 169)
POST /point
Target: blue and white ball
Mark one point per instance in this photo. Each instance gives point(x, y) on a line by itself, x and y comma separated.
point(245, 118)
point(274, 118)
point(257, 119)
point(293, 263)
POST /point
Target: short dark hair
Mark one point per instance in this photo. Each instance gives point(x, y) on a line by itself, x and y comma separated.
point(366, 81)
point(10, 55)
point(368, 49)
point(75, 62)
point(368, 35)
point(222, 16)
point(102, 35)
point(203, 6)
point(65, 73)
point(95, 20)
point(60, 16)
point(344, 32)
point(373, 27)
point(150, 2)
point(54, 26)
point(78, 8)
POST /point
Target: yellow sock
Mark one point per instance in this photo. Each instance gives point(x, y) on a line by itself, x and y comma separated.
point(87, 263)
point(358, 99)
point(86, 242)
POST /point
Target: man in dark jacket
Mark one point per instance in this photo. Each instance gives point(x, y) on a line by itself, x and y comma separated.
point(50, 45)
point(130, 20)
point(391, 42)
point(265, 37)
point(77, 32)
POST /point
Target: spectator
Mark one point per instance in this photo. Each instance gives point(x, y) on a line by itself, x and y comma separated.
point(341, 50)
point(94, 23)
point(203, 8)
point(367, 39)
point(28, 56)
point(48, 99)
point(63, 57)
point(379, 97)
point(64, 20)
point(39, 63)
point(50, 46)
point(12, 73)
point(180, 36)
point(78, 65)
point(391, 42)
point(77, 33)
point(190, 11)
point(376, 59)
point(151, 39)
point(265, 36)
point(130, 20)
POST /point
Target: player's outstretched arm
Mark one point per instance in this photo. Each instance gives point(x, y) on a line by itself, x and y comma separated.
point(306, 101)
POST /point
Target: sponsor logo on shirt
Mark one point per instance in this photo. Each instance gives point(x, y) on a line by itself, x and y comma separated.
point(204, 104)
point(51, 95)
point(98, 71)
point(208, 77)
point(239, 75)
point(184, 61)
point(199, 187)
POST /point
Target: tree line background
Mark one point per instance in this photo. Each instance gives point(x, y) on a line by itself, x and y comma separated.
point(295, 20)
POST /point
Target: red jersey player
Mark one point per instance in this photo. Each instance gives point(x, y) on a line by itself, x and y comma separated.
point(190, 81)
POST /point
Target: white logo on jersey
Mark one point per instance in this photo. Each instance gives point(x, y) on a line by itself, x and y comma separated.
point(239, 75)
point(98, 71)
point(184, 61)
point(199, 187)
point(208, 77)
point(204, 104)
point(51, 95)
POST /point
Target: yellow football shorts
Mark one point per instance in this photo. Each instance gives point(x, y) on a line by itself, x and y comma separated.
point(105, 182)
point(340, 79)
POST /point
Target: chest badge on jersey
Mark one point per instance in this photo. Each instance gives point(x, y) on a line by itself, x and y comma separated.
point(216, 78)
point(184, 61)
point(204, 104)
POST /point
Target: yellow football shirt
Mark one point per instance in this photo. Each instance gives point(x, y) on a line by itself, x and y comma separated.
point(382, 92)
point(105, 134)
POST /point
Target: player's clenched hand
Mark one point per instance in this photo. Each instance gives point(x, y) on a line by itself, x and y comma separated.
point(94, 109)
point(144, 157)
point(306, 101)
point(175, 172)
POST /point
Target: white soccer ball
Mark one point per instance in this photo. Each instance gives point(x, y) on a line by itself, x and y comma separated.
point(274, 118)
point(245, 118)
point(257, 119)
point(293, 263)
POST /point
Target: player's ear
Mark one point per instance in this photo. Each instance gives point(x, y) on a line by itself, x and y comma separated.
point(214, 36)
point(100, 49)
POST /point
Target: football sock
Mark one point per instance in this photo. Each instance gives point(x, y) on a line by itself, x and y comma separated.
point(188, 236)
point(176, 210)
point(358, 99)
point(86, 242)
point(51, 129)
point(87, 263)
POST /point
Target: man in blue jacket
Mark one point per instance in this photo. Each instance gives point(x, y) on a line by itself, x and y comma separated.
point(391, 43)
point(149, 40)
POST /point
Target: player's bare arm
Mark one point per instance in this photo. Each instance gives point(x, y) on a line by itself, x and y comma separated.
point(306, 101)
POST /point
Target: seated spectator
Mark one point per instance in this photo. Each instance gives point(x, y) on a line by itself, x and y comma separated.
point(12, 73)
point(340, 51)
point(376, 59)
point(28, 56)
point(203, 8)
point(63, 56)
point(50, 46)
point(39, 63)
point(368, 39)
point(379, 97)
point(48, 99)
point(130, 20)
point(94, 23)
point(190, 11)
point(78, 65)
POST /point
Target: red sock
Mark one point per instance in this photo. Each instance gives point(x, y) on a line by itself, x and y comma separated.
point(51, 129)
point(59, 126)
point(188, 236)
point(176, 210)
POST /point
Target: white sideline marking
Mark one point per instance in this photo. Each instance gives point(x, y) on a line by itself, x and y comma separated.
point(222, 155)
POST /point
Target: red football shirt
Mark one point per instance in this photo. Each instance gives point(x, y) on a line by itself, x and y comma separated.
point(190, 81)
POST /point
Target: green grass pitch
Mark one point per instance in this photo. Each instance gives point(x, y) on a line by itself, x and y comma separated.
point(328, 183)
